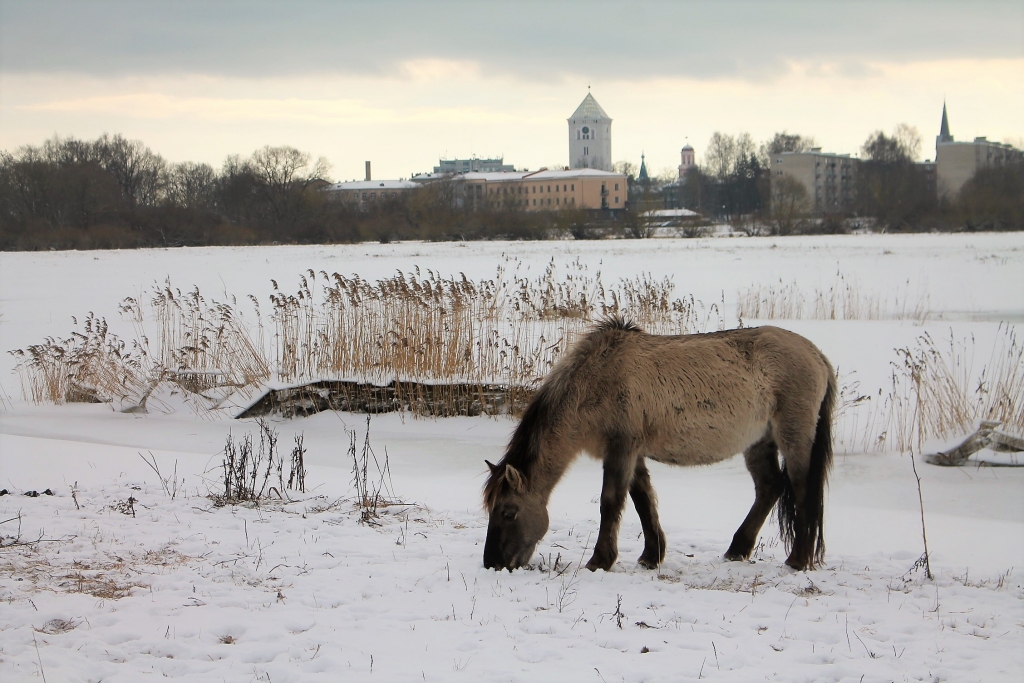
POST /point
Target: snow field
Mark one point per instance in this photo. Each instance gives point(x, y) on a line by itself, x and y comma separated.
point(301, 591)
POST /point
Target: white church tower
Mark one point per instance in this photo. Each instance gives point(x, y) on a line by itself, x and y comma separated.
point(590, 136)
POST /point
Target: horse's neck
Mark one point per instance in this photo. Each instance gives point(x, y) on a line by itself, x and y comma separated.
point(557, 452)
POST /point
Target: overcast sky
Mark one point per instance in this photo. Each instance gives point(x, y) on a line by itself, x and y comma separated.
point(403, 83)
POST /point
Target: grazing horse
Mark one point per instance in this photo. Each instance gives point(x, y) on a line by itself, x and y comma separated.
point(623, 395)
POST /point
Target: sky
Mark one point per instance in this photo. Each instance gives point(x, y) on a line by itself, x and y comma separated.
point(404, 83)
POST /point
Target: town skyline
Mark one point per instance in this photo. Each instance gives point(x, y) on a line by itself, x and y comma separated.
point(198, 83)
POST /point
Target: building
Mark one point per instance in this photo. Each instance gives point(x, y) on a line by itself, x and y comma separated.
point(590, 136)
point(828, 178)
point(365, 192)
point(472, 165)
point(687, 161)
point(547, 190)
point(957, 162)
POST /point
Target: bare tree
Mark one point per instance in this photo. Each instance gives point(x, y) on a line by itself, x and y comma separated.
point(137, 169)
point(285, 173)
point(783, 142)
point(789, 204)
point(909, 140)
point(191, 185)
point(720, 155)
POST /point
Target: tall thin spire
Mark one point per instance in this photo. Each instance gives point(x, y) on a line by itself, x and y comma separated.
point(944, 135)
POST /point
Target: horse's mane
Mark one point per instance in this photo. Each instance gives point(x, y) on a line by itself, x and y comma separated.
point(616, 322)
point(523, 448)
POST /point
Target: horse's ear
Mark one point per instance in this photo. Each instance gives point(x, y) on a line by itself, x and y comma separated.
point(516, 480)
point(492, 467)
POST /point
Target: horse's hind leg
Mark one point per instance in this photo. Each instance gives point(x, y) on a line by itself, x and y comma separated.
point(646, 504)
point(763, 464)
point(619, 466)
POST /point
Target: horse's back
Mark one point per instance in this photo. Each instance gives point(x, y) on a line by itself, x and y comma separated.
point(697, 398)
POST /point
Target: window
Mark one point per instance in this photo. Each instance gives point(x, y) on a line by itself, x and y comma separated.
point(616, 200)
point(556, 188)
point(535, 202)
point(364, 195)
point(616, 187)
point(535, 189)
point(563, 188)
point(586, 151)
point(572, 200)
point(573, 186)
point(549, 189)
point(556, 200)
point(586, 132)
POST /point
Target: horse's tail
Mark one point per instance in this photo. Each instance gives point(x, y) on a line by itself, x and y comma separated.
point(803, 529)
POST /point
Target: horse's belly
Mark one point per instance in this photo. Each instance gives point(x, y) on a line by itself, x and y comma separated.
point(707, 444)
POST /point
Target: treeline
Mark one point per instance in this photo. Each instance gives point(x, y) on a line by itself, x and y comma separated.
point(117, 193)
point(891, 191)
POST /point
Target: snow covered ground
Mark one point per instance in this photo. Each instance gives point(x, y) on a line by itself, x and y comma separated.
point(302, 591)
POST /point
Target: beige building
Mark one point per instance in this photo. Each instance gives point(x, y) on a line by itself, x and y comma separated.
point(547, 190)
point(829, 179)
point(957, 162)
point(590, 136)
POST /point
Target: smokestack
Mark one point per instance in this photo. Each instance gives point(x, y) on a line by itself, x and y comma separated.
point(368, 171)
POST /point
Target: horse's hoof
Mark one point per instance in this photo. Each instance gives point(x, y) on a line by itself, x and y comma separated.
point(596, 564)
point(735, 557)
point(648, 562)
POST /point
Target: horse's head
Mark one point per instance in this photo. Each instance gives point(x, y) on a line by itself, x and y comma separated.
point(518, 518)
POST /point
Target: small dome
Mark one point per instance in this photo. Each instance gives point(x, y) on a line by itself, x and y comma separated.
point(687, 148)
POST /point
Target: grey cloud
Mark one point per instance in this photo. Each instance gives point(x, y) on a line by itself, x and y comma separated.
point(533, 40)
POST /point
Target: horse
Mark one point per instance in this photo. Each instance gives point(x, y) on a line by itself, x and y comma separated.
point(623, 396)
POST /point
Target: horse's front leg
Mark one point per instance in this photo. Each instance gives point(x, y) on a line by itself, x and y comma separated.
point(619, 465)
point(646, 504)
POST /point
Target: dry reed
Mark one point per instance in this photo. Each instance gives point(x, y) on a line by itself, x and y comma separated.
point(844, 300)
point(935, 392)
point(413, 331)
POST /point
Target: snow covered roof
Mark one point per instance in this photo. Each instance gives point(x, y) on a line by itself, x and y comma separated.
point(494, 176)
point(671, 213)
point(589, 109)
point(542, 174)
point(372, 185)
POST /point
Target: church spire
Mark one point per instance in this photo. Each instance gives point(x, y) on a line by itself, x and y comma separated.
point(643, 175)
point(944, 135)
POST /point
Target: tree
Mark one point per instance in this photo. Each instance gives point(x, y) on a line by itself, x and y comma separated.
point(788, 204)
point(191, 186)
point(890, 186)
point(993, 199)
point(721, 151)
point(783, 142)
point(283, 176)
point(136, 168)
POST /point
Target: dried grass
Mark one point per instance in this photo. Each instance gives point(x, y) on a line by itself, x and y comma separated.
point(844, 300)
point(412, 329)
point(936, 392)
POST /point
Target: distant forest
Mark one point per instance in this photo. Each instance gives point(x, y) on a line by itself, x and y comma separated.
point(117, 193)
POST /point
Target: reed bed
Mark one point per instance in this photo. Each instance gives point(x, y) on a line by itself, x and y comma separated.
point(935, 393)
point(92, 365)
point(844, 300)
point(411, 331)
